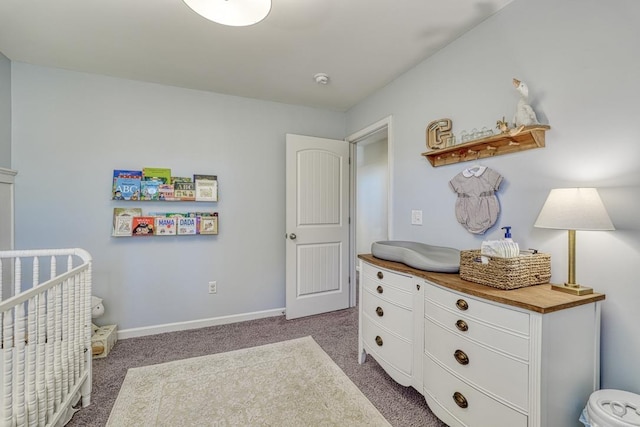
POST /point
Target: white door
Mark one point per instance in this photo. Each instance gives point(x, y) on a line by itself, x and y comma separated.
point(317, 225)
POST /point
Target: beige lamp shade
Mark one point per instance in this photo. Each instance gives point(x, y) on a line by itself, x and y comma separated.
point(235, 13)
point(574, 209)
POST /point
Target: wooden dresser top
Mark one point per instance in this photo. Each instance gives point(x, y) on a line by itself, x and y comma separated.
point(538, 298)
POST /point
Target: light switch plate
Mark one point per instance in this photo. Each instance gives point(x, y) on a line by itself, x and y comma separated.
point(416, 217)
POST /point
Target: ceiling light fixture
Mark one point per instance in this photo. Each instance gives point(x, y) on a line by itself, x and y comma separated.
point(235, 13)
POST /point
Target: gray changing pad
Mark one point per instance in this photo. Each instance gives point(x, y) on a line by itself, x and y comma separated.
point(418, 255)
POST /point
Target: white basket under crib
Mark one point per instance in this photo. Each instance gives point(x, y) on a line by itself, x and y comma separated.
point(45, 335)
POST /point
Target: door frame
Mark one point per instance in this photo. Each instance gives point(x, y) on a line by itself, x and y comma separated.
point(353, 140)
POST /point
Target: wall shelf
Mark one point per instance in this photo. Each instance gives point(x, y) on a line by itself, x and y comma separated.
point(530, 137)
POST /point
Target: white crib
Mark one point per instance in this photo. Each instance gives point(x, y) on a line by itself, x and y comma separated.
point(45, 335)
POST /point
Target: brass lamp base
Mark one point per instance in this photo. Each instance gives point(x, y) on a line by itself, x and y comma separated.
point(572, 289)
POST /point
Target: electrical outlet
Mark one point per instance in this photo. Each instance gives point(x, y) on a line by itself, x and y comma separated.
point(213, 287)
point(416, 217)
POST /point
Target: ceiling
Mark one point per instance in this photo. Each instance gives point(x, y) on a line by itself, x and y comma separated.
point(361, 44)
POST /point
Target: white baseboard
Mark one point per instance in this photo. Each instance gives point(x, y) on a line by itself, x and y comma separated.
point(195, 324)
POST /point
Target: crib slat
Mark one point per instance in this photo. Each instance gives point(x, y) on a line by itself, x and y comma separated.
point(57, 348)
point(64, 341)
point(40, 357)
point(48, 355)
point(18, 276)
point(7, 368)
point(19, 386)
point(9, 351)
point(30, 390)
point(30, 352)
point(7, 404)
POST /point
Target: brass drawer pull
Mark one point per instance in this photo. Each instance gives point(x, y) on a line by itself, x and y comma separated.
point(460, 400)
point(380, 311)
point(379, 340)
point(462, 305)
point(379, 289)
point(380, 275)
point(461, 357)
point(462, 325)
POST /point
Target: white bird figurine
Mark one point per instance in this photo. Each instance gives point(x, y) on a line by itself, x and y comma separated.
point(524, 115)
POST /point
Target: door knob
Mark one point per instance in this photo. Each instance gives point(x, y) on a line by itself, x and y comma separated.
point(292, 236)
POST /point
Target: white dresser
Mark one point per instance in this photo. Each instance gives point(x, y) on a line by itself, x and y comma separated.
point(481, 356)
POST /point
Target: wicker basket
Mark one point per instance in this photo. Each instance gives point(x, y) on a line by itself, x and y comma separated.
point(505, 273)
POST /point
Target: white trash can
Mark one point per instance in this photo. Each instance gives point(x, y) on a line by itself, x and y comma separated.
point(612, 408)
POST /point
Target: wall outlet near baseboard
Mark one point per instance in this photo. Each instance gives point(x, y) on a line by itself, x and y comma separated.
point(213, 287)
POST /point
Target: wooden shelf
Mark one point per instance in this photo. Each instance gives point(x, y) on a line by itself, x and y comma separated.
point(530, 137)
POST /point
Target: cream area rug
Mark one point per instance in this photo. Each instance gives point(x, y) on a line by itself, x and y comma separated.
point(290, 383)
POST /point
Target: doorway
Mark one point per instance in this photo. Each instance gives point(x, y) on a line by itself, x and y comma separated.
point(371, 196)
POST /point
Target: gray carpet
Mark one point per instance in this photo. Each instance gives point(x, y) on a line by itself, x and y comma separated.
point(336, 333)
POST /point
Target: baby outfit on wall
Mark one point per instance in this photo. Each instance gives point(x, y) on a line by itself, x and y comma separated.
point(477, 206)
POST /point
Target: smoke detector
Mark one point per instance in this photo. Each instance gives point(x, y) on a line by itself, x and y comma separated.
point(321, 78)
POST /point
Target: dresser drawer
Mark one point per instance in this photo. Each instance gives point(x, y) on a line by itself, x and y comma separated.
point(494, 372)
point(452, 394)
point(386, 347)
point(473, 308)
point(388, 285)
point(455, 321)
point(388, 315)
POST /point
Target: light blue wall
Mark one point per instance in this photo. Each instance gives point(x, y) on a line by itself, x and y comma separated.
point(580, 61)
point(5, 112)
point(72, 129)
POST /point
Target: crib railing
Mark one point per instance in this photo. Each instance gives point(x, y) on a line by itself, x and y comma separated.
point(45, 335)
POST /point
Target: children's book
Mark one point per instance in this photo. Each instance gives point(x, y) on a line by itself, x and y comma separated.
point(150, 189)
point(127, 173)
point(165, 226)
point(187, 225)
point(206, 187)
point(122, 226)
point(126, 184)
point(185, 191)
point(143, 225)
point(126, 189)
point(174, 214)
point(162, 174)
point(166, 192)
point(208, 224)
point(175, 179)
point(123, 220)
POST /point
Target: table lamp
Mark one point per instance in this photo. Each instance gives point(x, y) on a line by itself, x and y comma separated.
point(573, 209)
